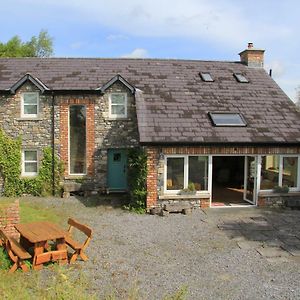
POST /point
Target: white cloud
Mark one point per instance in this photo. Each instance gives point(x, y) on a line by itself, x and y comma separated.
point(137, 53)
point(220, 21)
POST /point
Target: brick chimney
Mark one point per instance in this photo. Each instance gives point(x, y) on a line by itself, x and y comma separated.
point(252, 57)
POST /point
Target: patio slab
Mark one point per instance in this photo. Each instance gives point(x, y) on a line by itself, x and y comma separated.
point(272, 252)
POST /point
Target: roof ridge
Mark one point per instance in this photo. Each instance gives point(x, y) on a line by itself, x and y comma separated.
point(119, 58)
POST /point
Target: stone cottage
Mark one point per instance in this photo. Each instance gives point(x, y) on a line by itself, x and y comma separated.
point(224, 128)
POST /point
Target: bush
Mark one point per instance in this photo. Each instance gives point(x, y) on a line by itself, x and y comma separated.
point(137, 174)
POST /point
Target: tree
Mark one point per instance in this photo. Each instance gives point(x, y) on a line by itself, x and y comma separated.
point(40, 46)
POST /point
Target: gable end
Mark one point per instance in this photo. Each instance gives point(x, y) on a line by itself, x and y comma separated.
point(35, 81)
point(115, 79)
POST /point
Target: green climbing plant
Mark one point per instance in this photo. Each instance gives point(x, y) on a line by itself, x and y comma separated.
point(10, 164)
point(137, 176)
point(10, 170)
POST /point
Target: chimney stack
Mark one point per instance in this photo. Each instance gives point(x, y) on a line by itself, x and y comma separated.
point(252, 57)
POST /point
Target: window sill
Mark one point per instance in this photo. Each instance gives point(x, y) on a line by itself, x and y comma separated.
point(29, 176)
point(273, 194)
point(176, 196)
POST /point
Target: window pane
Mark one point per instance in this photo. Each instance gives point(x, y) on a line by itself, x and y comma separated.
point(227, 119)
point(77, 139)
point(30, 109)
point(117, 99)
point(269, 172)
point(118, 110)
point(30, 155)
point(290, 170)
point(198, 172)
point(30, 98)
point(175, 173)
point(30, 167)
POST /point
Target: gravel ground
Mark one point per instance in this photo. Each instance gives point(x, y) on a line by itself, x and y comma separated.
point(160, 255)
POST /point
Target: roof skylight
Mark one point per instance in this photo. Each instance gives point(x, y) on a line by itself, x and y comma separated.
point(206, 77)
point(240, 78)
point(227, 119)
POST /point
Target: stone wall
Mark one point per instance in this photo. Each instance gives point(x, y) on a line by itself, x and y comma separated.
point(35, 132)
point(9, 217)
point(275, 200)
point(113, 133)
point(103, 133)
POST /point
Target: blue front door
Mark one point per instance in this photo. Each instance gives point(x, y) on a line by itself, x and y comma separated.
point(117, 169)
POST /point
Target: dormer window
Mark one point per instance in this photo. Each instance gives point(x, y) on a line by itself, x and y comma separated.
point(240, 78)
point(227, 119)
point(30, 105)
point(118, 105)
point(206, 77)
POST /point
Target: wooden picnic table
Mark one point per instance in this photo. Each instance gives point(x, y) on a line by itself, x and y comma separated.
point(38, 235)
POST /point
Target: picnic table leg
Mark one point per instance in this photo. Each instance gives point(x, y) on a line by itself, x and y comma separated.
point(38, 249)
point(61, 245)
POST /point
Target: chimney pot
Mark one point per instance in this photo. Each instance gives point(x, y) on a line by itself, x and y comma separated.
point(250, 45)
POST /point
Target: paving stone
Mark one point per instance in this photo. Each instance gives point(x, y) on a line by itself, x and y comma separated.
point(295, 251)
point(249, 244)
point(273, 243)
point(229, 226)
point(254, 235)
point(292, 241)
point(272, 252)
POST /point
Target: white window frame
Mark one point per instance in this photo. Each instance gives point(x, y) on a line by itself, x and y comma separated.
point(117, 116)
point(280, 171)
point(23, 114)
point(29, 174)
point(186, 172)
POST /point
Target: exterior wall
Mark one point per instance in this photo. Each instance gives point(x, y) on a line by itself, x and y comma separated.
point(35, 132)
point(156, 171)
point(275, 200)
point(152, 175)
point(113, 133)
point(9, 217)
point(103, 133)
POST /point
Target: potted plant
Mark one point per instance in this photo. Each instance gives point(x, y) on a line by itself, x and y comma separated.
point(281, 189)
point(190, 190)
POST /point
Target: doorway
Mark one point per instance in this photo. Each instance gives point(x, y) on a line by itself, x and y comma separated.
point(233, 181)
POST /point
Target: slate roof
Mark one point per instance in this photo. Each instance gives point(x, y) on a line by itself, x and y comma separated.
point(171, 99)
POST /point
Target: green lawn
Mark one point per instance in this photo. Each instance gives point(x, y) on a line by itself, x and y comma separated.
point(59, 282)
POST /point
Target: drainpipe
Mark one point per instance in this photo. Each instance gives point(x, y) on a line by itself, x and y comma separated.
point(53, 145)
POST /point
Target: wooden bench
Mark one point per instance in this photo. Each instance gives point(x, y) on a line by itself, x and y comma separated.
point(75, 245)
point(56, 255)
point(16, 252)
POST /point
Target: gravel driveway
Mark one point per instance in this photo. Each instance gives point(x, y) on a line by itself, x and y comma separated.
point(214, 254)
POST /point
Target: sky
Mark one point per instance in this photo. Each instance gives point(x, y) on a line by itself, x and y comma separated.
point(185, 29)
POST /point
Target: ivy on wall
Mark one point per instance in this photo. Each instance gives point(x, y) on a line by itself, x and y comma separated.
point(10, 170)
point(10, 164)
point(137, 179)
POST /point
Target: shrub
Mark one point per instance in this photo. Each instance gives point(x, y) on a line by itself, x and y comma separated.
point(137, 174)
